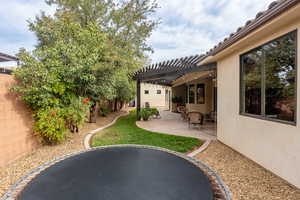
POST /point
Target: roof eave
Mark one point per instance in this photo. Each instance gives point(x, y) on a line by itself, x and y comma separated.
point(242, 32)
point(6, 58)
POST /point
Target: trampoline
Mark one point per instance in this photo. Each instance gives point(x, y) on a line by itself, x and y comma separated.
point(121, 172)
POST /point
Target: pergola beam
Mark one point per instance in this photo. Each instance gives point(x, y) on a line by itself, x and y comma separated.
point(164, 73)
point(159, 75)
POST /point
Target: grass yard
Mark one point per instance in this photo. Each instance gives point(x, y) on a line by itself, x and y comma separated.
point(125, 131)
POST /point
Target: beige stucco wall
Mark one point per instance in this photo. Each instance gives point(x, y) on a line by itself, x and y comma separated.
point(16, 137)
point(155, 100)
point(275, 146)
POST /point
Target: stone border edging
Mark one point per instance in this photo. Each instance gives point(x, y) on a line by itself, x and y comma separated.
point(221, 191)
point(88, 137)
point(202, 148)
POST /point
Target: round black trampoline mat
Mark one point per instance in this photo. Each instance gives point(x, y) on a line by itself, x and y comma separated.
point(120, 173)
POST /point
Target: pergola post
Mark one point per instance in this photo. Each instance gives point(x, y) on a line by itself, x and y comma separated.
point(138, 99)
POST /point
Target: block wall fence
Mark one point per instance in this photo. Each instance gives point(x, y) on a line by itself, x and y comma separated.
point(16, 135)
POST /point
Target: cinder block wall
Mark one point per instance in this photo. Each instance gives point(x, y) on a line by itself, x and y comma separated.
point(16, 136)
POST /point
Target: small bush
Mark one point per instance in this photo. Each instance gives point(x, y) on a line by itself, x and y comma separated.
point(146, 113)
point(50, 125)
point(76, 113)
point(104, 110)
point(154, 111)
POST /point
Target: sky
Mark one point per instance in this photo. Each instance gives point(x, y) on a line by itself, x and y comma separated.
point(188, 27)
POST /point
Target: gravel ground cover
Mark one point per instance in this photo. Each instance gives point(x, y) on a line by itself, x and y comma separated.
point(246, 179)
point(11, 173)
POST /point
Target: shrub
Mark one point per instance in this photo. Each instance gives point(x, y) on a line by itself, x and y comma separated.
point(104, 110)
point(76, 113)
point(154, 111)
point(50, 125)
point(146, 113)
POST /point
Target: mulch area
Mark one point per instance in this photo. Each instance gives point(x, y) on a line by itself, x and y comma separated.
point(12, 172)
point(246, 179)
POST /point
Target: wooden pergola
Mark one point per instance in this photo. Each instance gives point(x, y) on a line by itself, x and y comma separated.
point(164, 73)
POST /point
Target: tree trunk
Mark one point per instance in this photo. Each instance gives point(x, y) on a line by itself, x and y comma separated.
point(116, 105)
point(122, 105)
point(93, 115)
point(110, 104)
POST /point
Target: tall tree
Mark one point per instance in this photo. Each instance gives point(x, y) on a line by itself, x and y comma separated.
point(63, 69)
point(128, 25)
point(87, 49)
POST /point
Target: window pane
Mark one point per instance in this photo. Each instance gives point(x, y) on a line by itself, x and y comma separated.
point(200, 93)
point(192, 94)
point(280, 69)
point(252, 65)
point(186, 93)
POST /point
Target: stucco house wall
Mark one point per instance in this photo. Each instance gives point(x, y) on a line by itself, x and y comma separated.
point(155, 100)
point(273, 145)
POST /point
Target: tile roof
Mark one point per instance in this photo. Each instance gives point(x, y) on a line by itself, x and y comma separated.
point(275, 8)
point(182, 65)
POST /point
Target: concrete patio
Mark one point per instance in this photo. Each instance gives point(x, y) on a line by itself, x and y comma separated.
point(171, 123)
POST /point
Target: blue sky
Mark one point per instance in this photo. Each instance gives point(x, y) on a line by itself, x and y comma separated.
point(187, 27)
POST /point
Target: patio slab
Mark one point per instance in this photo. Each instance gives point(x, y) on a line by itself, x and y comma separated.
point(171, 123)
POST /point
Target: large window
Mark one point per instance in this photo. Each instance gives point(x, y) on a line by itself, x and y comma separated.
point(268, 80)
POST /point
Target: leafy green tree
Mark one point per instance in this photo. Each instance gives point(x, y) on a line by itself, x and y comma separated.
point(128, 25)
point(59, 71)
point(124, 88)
point(87, 50)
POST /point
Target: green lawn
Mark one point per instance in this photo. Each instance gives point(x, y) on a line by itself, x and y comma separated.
point(125, 131)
